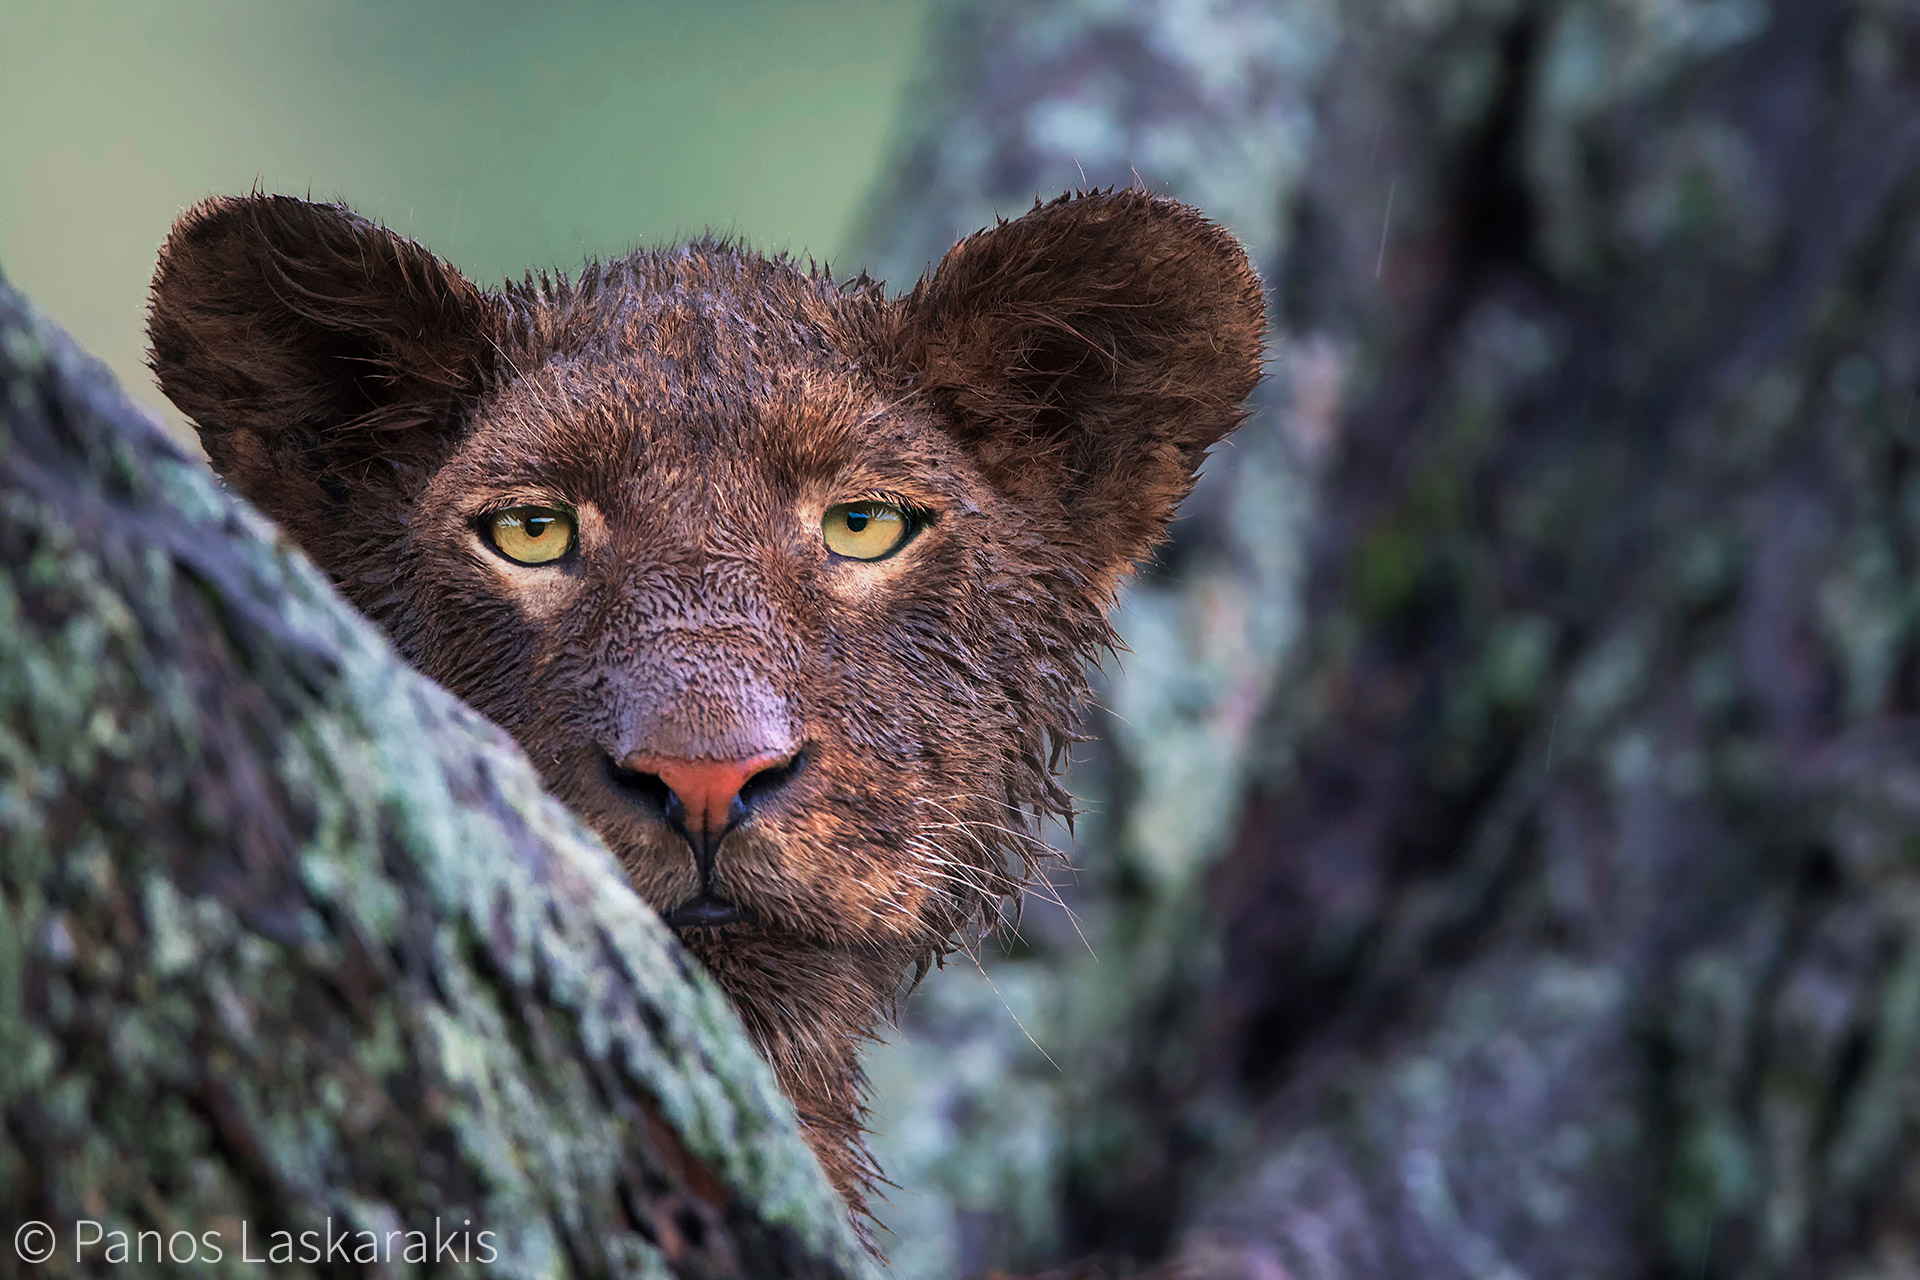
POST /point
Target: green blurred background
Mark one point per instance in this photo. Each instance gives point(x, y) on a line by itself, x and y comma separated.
point(505, 136)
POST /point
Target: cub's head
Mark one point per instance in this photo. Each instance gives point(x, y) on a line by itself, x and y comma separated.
point(785, 586)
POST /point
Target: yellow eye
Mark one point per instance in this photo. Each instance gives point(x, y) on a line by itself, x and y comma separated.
point(864, 530)
point(531, 535)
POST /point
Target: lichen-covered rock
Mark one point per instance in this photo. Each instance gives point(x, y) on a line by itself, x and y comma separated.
point(291, 941)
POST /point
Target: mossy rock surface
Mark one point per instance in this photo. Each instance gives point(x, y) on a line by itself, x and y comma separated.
point(292, 941)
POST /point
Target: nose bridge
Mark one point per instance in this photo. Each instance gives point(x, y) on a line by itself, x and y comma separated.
point(700, 693)
point(702, 667)
point(698, 661)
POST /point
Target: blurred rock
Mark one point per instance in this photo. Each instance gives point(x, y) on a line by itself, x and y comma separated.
point(1543, 906)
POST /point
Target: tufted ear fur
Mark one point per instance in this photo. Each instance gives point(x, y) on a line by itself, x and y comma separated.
point(324, 359)
point(1088, 354)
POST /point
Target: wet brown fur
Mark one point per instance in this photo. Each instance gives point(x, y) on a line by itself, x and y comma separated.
point(1045, 395)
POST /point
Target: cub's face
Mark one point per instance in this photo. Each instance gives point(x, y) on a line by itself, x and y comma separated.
point(786, 587)
point(751, 554)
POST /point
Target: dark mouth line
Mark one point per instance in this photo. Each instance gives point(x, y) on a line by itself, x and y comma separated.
point(707, 911)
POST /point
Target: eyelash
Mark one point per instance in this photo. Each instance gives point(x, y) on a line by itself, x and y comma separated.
point(918, 517)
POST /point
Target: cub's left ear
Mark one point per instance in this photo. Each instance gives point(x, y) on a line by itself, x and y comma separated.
point(328, 362)
point(1087, 354)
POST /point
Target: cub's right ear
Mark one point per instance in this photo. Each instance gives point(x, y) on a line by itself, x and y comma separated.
point(324, 359)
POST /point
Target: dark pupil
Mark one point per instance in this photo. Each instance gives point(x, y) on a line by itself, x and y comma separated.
point(857, 520)
point(537, 525)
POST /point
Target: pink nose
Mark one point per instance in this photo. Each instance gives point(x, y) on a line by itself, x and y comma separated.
point(708, 790)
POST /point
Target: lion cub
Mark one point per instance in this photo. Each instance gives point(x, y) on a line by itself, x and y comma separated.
point(786, 587)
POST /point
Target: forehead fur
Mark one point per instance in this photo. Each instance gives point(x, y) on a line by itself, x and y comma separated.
point(701, 351)
point(707, 371)
point(690, 316)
